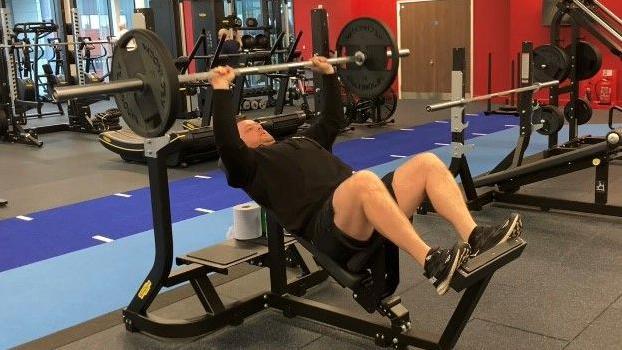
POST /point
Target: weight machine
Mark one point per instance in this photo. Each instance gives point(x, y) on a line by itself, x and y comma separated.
point(13, 117)
point(11, 123)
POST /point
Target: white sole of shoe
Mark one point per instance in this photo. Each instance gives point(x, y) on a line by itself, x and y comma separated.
point(443, 287)
point(515, 230)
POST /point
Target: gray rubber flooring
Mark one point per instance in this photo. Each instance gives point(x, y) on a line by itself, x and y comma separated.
point(564, 292)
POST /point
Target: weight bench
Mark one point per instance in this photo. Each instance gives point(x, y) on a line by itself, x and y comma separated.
point(373, 282)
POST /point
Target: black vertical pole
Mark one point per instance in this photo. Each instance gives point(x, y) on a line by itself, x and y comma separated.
point(276, 247)
point(601, 181)
point(319, 34)
point(525, 102)
point(162, 231)
point(489, 109)
point(513, 76)
point(574, 91)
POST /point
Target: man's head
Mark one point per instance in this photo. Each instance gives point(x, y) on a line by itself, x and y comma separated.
point(225, 32)
point(253, 134)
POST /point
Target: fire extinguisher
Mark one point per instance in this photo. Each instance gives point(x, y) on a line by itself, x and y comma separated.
point(603, 91)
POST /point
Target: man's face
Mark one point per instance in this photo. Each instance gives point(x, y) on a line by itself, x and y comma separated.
point(253, 134)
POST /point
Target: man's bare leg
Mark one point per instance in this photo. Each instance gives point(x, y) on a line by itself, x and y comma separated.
point(425, 174)
point(362, 203)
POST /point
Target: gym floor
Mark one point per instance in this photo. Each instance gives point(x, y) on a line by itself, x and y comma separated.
point(564, 292)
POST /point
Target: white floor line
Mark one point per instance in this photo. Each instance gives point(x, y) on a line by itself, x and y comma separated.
point(203, 210)
point(407, 129)
point(202, 177)
point(397, 156)
point(478, 134)
point(123, 195)
point(368, 138)
point(25, 218)
point(103, 239)
point(441, 121)
point(510, 125)
point(441, 144)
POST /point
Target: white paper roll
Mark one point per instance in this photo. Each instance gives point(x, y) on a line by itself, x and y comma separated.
point(246, 221)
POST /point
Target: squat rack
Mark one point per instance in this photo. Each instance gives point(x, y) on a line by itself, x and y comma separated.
point(516, 170)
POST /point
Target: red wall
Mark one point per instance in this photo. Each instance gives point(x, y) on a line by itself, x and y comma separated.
point(489, 36)
point(526, 24)
point(339, 13)
point(491, 31)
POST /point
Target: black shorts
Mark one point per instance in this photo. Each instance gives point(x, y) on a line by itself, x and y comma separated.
point(331, 240)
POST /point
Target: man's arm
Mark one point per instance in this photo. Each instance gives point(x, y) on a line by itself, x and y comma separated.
point(238, 159)
point(332, 119)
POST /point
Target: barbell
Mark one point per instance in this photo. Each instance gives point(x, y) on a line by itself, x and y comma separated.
point(20, 44)
point(146, 85)
point(465, 101)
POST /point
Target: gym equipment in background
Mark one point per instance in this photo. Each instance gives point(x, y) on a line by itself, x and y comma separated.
point(364, 74)
point(516, 170)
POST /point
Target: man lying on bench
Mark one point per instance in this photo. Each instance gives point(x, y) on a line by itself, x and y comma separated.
point(314, 194)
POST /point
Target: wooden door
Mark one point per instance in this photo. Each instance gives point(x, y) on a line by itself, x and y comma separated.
point(431, 29)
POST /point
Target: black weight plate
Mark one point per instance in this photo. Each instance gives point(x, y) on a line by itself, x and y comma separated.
point(582, 111)
point(251, 22)
point(248, 42)
point(551, 118)
point(550, 63)
point(262, 41)
point(151, 111)
point(378, 72)
point(589, 59)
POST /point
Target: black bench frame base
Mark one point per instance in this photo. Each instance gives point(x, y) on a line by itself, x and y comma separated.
point(372, 288)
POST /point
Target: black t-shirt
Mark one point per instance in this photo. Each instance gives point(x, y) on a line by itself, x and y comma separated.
point(291, 178)
point(230, 47)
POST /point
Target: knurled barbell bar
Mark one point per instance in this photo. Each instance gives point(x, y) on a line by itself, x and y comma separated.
point(20, 44)
point(464, 101)
point(146, 85)
point(136, 84)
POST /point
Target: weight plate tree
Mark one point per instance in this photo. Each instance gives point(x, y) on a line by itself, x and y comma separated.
point(145, 83)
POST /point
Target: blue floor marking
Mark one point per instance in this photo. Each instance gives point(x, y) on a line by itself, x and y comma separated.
point(69, 228)
point(47, 296)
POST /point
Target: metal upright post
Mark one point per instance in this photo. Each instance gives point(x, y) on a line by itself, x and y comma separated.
point(7, 33)
point(319, 34)
point(489, 104)
point(459, 165)
point(525, 103)
point(276, 245)
point(156, 152)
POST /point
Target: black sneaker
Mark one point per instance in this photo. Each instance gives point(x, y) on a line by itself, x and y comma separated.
point(486, 237)
point(441, 264)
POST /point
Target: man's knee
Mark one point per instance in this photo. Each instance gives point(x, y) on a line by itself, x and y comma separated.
point(429, 161)
point(365, 181)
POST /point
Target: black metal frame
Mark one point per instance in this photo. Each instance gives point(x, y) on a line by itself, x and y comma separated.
point(516, 170)
point(285, 293)
point(599, 159)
